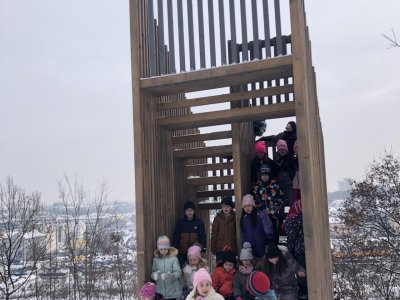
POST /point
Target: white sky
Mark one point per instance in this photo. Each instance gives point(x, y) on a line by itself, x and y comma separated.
point(65, 90)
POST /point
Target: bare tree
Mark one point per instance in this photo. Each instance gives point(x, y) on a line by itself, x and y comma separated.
point(21, 244)
point(392, 40)
point(367, 249)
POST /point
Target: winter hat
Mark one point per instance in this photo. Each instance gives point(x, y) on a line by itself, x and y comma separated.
point(194, 251)
point(258, 284)
point(273, 250)
point(264, 170)
point(295, 209)
point(163, 242)
point(228, 256)
point(227, 200)
point(148, 290)
point(281, 144)
point(259, 147)
point(293, 125)
point(200, 276)
point(245, 253)
point(248, 199)
point(189, 204)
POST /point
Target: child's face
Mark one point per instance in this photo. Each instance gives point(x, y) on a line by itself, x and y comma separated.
point(264, 177)
point(246, 262)
point(226, 209)
point(273, 260)
point(193, 260)
point(189, 213)
point(163, 252)
point(228, 266)
point(260, 155)
point(282, 152)
point(288, 127)
point(204, 288)
point(248, 208)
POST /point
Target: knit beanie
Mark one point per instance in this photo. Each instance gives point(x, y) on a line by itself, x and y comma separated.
point(248, 199)
point(273, 250)
point(227, 200)
point(163, 242)
point(228, 256)
point(148, 290)
point(281, 144)
point(264, 170)
point(189, 204)
point(194, 251)
point(200, 276)
point(258, 284)
point(245, 253)
point(293, 125)
point(259, 147)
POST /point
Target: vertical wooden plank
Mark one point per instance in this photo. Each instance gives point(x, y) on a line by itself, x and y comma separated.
point(256, 39)
point(222, 31)
point(278, 26)
point(181, 38)
point(201, 33)
point(233, 47)
point(171, 41)
point(161, 36)
point(211, 32)
point(245, 55)
point(150, 24)
point(191, 35)
point(267, 29)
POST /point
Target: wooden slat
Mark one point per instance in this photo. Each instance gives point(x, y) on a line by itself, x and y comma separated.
point(204, 152)
point(223, 76)
point(219, 135)
point(272, 111)
point(215, 193)
point(210, 180)
point(209, 205)
point(209, 167)
point(277, 90)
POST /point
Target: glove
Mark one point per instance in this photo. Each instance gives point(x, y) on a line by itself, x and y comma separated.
point(169, 276)
point(238, 298)
point(155, 275)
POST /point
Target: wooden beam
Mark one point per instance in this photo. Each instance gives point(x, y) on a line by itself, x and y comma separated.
point(202, 137)
point(276, 90)
point(223, 76)
point(215, 193)
point(210, 180)
point(204, 152)
point(270, 111)
point(209, 167)
point(209, 205)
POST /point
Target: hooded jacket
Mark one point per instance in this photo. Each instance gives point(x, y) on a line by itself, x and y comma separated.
point(222, 281)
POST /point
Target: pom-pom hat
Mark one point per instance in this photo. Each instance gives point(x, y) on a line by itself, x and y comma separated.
point(148, 290)
point(258, 284)
point(245, 253)
point(200, 276)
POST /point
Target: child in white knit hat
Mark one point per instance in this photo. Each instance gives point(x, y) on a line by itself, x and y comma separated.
point(203, 289)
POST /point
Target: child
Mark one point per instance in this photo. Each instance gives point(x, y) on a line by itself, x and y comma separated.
point(240, 278)
point(188, 231)
point(286, 171)
point(282, 270)
point(148, 292)
point(202, 287)
point(222, 278)
point(289, 136)
point(166, 270)
point(269, 198)
point(258, 285)
point(194, 263)
point(261, 159)
point(255, 226)
point(223, 231)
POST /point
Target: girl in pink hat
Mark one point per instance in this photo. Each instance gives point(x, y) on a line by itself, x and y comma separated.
point(203, 289)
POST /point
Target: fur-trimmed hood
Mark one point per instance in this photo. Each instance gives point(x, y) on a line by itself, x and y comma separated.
point(171, 252)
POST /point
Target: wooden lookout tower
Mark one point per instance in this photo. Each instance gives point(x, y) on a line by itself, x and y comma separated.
point(202, 72)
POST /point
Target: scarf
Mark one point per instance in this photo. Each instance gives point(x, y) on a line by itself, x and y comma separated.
point(245, 270)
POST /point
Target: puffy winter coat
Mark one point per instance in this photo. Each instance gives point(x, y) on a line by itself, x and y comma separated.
point(222, 281)
point(212, 295)
point(187, 232)
point(239, 286)
point(223, 232)
point(166, 272)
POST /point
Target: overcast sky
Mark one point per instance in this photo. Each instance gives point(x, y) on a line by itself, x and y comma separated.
point(65, 90)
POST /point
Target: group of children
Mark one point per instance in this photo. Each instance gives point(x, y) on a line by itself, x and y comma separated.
point(264, 271)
